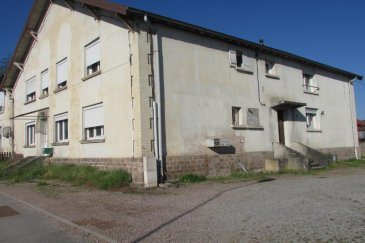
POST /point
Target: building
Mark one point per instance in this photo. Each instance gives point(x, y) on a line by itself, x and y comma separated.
point(361, 129)
point(117, 87)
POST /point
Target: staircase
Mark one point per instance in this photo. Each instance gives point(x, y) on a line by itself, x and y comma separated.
point(317, 160)
point(289, 158)
point(300, 157)
point(22, 163)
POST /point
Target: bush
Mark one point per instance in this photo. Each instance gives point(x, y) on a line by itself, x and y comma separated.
point(192, 178)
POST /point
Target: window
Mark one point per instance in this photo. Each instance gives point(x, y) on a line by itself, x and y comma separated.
point(92, 57)
point(2, 101)
point(270, 68)
point(236, 121)
point(30, 90)
point(93, 118)
point(239, 61)
point(312, 119)
point(30, 134)
point(309, 84)
point(61, 127)
point(44, 83)
point(61, 68)
point(253, 117)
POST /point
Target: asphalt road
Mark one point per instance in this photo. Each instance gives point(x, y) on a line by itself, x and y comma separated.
point(21, 223)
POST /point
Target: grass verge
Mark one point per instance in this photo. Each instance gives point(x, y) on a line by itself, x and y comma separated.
point(192, 178)
point(75, 174)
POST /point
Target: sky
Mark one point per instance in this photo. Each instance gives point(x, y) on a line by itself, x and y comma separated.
point(328, 31)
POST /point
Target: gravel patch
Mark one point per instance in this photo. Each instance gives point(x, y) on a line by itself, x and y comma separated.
point(326, 207)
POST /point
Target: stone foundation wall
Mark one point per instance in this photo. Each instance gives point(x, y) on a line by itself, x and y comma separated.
point(215, 165)
point(133, 165)
point(343, 153)
point(362, 148)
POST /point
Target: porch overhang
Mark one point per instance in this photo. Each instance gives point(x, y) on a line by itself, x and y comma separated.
point(286, 105)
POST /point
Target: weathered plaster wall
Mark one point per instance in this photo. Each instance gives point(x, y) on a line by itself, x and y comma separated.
point(65, 33)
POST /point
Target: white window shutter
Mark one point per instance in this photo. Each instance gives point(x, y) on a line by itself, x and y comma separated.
point(92, 53)
point(233, 58)
point(246, 63)
point(30, 86)
point(62, 71)
point(2, 101)
point(61, 117)
point(44, 79)
point(93, 116)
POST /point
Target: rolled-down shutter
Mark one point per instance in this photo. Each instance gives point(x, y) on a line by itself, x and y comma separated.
point(93, 116)
point(44, 79)
point(233, 58)
point(92, 53)
point(62, 71)
point(30, 86)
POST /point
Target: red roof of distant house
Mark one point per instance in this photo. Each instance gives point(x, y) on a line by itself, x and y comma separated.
point(360, 125)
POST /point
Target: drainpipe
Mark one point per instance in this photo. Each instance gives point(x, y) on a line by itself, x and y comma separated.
point(157, 105)
point(354, 136)
point(258, 78)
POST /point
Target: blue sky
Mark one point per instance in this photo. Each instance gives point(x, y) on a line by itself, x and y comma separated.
point(327, 31)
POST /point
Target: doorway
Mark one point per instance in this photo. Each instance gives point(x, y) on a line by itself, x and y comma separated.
point(281, 126)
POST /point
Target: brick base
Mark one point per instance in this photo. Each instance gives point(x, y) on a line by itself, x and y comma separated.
point(215, 165)
point(133, 165)
point(343, 153)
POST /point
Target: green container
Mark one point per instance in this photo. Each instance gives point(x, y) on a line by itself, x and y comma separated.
point(47, 151)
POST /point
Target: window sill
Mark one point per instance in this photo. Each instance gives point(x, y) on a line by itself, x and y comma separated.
point(92, 141)
point(246, 127)
point(273, 76)
point(28, 102)
point(91, 75)
point(314, 130)
point(59, 89)
point(244, 70)
point(310, 92)
point(42, 97)
point(29, 146)
point(60, 143)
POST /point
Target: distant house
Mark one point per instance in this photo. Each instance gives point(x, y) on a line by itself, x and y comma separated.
point(361, 129)
point(116, 87)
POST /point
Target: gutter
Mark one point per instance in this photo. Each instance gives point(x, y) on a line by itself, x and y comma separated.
point(352, 106)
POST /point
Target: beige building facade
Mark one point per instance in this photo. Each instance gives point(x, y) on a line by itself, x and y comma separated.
point(115, 87)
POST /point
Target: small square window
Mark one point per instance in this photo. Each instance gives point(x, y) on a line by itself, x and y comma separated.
point(312, 119)
point(253, 117)
point(270, 68)
point(236, 112)
point(309, 83)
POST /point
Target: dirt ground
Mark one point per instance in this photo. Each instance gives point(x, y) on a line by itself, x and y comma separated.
point(329, 206)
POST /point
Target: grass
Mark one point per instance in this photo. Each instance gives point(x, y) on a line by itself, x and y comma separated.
point(192, 178)
point(75, 174)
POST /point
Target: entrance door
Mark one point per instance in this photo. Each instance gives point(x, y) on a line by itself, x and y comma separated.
point(43, 136)
point(281, 126)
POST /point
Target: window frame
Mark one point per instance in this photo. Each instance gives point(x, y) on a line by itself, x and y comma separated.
point(312, 113)
point(31, 95)
point(236, 116)
point(30, 139)
point(61, 129)
point(240, 61)
point(43, 73)
point(87, 130)
point(63, 84)
point(97, 63)
point(309, 83)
